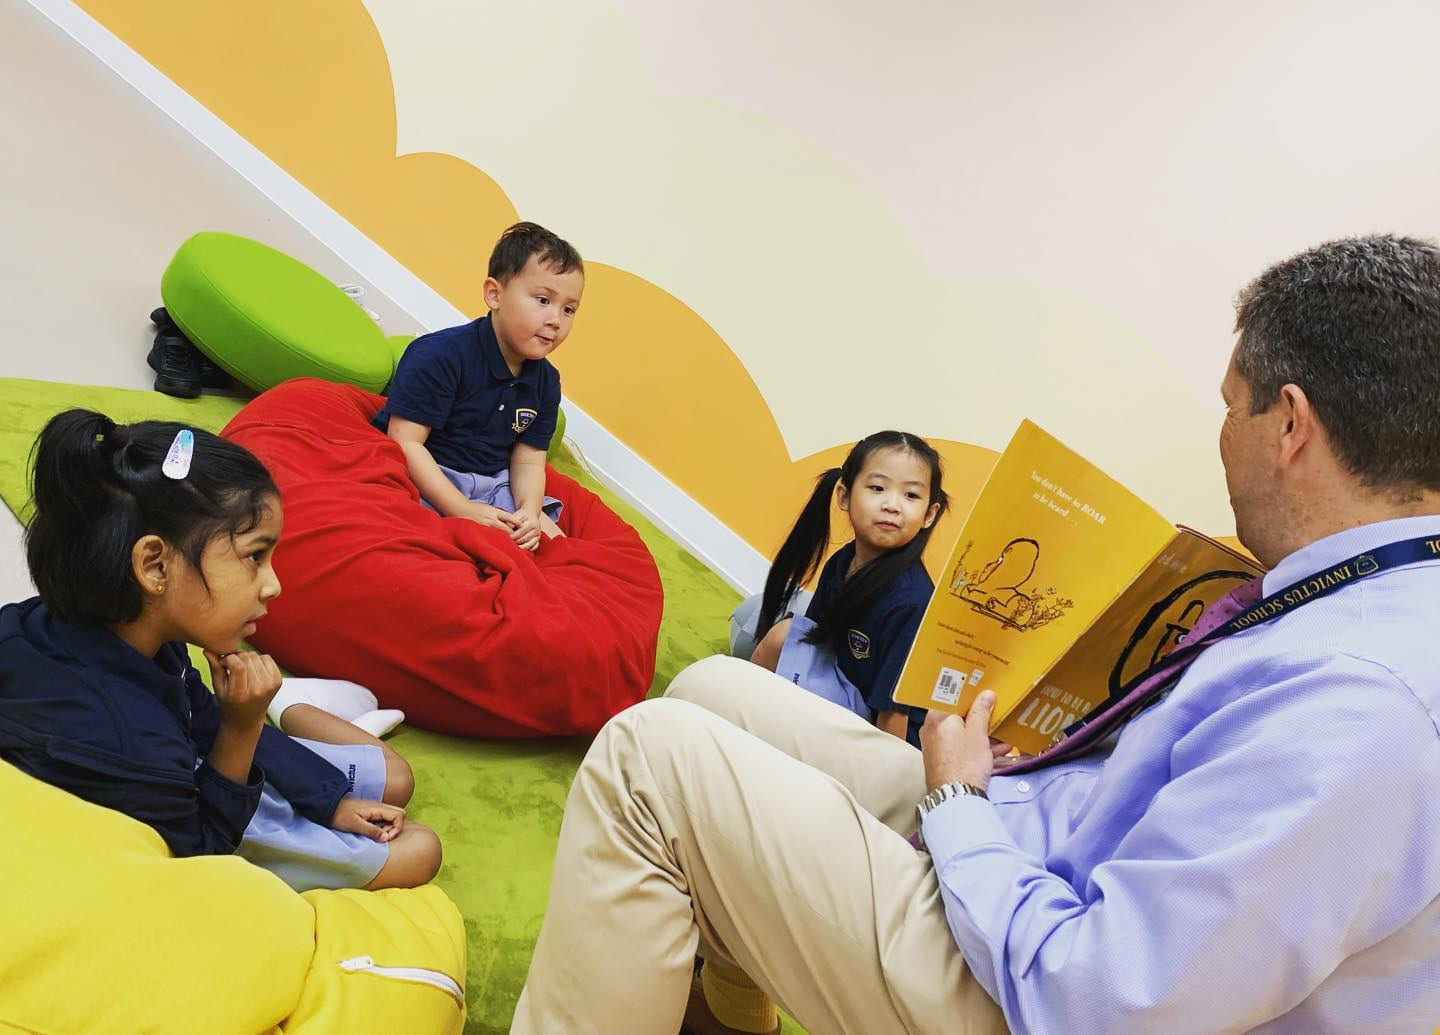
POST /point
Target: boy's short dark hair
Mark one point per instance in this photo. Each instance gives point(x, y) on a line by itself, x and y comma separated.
point(521, 241)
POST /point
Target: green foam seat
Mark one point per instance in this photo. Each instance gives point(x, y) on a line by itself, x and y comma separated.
point(265, 317)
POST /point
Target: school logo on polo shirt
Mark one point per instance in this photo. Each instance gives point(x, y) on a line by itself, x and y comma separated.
point(524, 417)
point(859, 644)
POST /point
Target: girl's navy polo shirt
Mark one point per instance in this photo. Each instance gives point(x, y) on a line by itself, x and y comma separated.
point(873, 652)
point(456, 383)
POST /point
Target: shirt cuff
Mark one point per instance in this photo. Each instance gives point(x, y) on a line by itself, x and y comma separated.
point(219, 787)
point(959, 824)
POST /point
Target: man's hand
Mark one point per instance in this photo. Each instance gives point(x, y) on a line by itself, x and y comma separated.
point(374, 819)
point(490, 517)
point(957, 749)
point(527, 530)
point(244, 684)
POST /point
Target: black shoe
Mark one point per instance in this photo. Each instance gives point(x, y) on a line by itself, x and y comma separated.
point(211, 374)
point(161, 319)
point(172, 357)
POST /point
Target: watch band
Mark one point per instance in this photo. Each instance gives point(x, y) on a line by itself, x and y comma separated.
point(943, 793)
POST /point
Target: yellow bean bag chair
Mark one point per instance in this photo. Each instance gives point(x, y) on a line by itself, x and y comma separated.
point(104, 931)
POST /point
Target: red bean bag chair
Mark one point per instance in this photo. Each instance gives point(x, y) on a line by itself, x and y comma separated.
point(440, 616)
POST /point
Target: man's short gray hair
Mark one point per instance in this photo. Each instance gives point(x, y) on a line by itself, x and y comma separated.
point(1355, 323)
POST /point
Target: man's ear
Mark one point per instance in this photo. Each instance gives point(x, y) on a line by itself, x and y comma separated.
point(149, 563)
point(1298, 424)
point(491, 291)
point(931, 515)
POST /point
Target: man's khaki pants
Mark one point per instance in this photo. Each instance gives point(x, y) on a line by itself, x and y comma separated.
point(781, 850)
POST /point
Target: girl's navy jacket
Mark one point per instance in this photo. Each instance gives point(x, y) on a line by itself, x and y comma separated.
point(83, 710)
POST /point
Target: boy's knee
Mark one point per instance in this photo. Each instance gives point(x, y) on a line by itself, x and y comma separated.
point(399, 778)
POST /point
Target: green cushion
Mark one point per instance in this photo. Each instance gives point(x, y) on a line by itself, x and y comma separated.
point(398, 344)
point(266, 317)
point(495, 805)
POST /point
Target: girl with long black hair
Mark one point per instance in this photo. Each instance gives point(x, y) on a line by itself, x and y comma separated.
point(851, 643)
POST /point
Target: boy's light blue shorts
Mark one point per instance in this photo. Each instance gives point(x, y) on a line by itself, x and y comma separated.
point(495, 490)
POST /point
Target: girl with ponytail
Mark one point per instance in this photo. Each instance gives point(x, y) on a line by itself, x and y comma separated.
point(852, 641)
point(144, 539)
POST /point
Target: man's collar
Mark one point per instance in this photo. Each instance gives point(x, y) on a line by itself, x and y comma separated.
point(1335, 548)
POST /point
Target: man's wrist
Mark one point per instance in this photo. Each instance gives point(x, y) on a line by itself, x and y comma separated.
point(939, 796)
point(946, 791)
point(978, 780)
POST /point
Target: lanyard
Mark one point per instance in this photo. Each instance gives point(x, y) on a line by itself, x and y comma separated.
point(1281, 602)
point(1361, 566)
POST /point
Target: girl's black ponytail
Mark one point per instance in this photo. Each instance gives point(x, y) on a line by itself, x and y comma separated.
point(800, 556)
point(98, 488)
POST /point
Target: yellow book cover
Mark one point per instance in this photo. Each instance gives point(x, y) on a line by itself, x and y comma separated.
point(1062, 584)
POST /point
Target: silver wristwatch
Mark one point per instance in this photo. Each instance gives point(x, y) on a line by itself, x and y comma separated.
point(946, 791)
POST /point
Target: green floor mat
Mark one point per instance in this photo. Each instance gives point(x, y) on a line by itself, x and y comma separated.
point(495, 805)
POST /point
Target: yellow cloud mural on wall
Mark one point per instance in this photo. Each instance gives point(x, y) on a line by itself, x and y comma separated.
point(751, 307)
point(310, 86)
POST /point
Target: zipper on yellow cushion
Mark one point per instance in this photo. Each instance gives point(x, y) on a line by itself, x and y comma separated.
point(418, 975)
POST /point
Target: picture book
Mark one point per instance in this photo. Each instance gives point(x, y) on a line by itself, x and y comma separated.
point(1062, 586)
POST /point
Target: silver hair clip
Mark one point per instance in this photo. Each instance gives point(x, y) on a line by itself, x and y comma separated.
point(182, 451)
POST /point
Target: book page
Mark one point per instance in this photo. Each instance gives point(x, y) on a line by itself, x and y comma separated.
point(1049, 544)
point(1136, 632)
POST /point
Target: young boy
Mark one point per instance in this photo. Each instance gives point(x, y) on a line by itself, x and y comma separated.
point(474, 407)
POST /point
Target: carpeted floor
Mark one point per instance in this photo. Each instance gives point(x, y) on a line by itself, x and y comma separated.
point(495, 805)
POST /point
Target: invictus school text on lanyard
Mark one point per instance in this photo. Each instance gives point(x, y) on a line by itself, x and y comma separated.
point(1393, 555)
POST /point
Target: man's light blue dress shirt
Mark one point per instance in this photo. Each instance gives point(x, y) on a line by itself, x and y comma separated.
point(1261, 850)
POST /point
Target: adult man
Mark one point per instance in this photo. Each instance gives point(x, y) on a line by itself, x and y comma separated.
point(1260, 851)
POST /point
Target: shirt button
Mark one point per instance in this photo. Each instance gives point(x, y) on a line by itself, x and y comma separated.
point(1023, 786)
point(502, 406)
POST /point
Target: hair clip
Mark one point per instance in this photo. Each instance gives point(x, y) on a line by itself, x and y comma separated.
point(182, 451)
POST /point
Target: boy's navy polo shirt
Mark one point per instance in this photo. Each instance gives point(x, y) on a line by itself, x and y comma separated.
point(872, 653)
point(457, 384)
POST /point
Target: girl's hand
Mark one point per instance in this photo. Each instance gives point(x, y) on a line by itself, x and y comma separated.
point(244, 684)
point(527, 530)
point(374, 819)
point(490, 517)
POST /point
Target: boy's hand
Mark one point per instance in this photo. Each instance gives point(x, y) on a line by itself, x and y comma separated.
point(375, 819)
point(527, 530)
point(490, 517)
point(244, 684)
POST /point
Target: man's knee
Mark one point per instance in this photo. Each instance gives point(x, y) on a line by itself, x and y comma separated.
point(707, 679)
point(652, 735)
